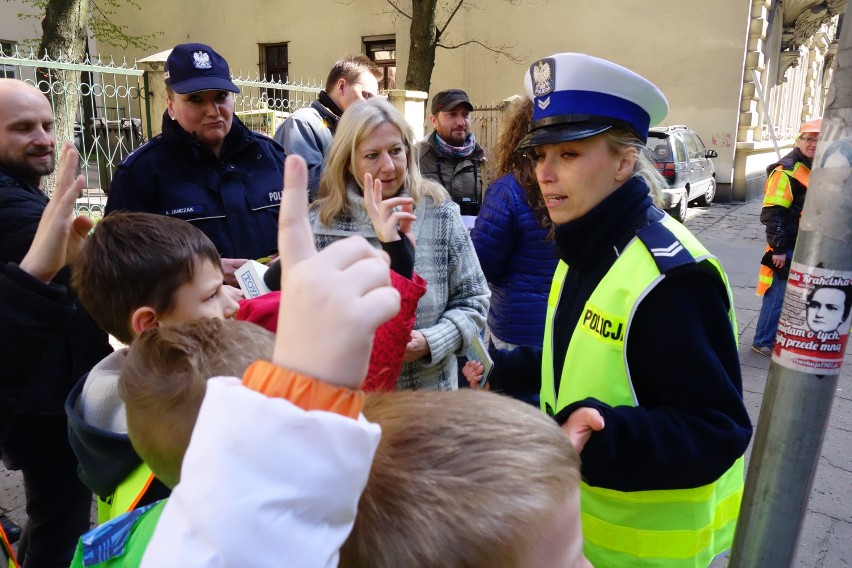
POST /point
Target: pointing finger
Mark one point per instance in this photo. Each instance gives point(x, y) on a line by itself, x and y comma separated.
point(295, 238)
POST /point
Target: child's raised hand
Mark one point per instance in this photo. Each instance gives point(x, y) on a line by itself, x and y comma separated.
point(331, 302)
point(60, 235)
point(387, 221)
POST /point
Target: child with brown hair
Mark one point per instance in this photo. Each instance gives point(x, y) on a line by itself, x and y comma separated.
point(287, 451)
point(137, 271)
point(466, 479)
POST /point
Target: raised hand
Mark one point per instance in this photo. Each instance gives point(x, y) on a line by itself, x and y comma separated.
point(332, 301)
point(388, 222)
point(60, 235)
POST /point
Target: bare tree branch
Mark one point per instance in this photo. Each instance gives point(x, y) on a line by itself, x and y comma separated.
point(395, 5)
point(502, 50)
point(440, 32)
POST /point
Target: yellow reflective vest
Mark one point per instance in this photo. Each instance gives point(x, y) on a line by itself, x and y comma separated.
point(668, 528)
point(127, 495)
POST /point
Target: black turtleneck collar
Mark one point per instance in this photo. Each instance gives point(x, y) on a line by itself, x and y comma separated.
point(238, 137)
point(581, 242)
point(326, 101)
point(788, 162)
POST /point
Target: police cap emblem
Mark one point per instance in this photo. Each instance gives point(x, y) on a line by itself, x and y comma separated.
point(201, 60)
point(542, 73)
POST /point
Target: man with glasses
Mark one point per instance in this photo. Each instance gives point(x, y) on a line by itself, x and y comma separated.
point(786, 186)
point(309, 131)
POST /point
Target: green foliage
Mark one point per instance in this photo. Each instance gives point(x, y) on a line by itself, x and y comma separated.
point(101, 25)
point(104, 29)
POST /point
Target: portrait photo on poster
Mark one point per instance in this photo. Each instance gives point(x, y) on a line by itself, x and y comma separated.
point(815, 320)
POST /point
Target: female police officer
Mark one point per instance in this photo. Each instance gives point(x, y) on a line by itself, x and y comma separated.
point(640, 361)
point(206, 167)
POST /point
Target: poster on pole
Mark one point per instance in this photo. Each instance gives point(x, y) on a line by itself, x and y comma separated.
point(815, 320)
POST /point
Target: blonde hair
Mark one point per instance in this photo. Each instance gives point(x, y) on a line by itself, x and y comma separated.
point(460, 479)
point(644, 168)
point(357, 123)
point(164, 378)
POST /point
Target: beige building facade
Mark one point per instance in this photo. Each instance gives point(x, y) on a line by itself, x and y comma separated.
point(713, 60)
point(20, 27)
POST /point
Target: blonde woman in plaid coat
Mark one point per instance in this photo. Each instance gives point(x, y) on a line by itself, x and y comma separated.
point(373, 148)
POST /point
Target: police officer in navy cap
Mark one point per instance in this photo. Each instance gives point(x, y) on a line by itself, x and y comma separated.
point(206, 167)
point(640, 362)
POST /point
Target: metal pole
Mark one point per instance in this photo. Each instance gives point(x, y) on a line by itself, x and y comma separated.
point(806, 364)
point(766, 117)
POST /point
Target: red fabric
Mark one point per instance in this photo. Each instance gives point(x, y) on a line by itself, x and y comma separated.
point(391, 337)
point(262, 310)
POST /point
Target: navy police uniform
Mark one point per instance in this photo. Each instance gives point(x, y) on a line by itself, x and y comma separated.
point(233, 199)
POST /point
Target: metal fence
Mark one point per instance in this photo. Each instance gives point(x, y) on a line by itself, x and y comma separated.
point(106, 101)
point(485, 123)
point(263, 105)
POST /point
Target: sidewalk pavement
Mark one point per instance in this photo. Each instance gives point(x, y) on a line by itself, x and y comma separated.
point(733, 232)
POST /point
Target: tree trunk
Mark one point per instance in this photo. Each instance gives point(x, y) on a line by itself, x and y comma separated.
point(421, 57)
point(63, 33)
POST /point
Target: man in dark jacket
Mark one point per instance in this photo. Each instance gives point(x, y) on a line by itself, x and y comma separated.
point(450, 155)
point(58, 504)
point(783, 201)
point(309, 131)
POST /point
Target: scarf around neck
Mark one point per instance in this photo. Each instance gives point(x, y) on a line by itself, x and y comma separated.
point(449, 151)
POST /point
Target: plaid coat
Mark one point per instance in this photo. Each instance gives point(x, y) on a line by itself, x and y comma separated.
point(456, 300)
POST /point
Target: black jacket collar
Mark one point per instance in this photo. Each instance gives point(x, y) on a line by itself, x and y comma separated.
point(238, 137)
point(582, 242)
point(328, 110)
point(788, 162)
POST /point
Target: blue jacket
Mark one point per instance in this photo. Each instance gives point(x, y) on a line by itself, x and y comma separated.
point(233, 199)
point(517, 260)
point(309, 133)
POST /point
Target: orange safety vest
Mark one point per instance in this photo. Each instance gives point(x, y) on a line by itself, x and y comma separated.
point(779, 192)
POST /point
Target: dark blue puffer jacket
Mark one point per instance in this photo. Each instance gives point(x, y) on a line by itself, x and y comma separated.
point(517, 260)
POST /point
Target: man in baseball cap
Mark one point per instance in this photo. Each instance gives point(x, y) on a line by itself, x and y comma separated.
point(450, 155)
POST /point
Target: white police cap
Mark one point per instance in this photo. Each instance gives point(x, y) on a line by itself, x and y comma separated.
point(576, 96)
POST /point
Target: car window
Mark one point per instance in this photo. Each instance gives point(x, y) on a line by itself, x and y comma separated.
point(680, 149)
point(702, 147)
point(659, 146)
point(691, 146)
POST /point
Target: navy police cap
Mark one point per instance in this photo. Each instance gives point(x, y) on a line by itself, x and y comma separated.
point(576, 96)
point(193, 67)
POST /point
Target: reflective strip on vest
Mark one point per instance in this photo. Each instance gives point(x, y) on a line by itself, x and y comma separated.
point(8, 558)
point(764, 276)
point(127, 494)
point(670, 528)
point(778, 189)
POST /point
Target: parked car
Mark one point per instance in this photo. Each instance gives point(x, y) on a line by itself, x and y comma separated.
point(683, 160)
